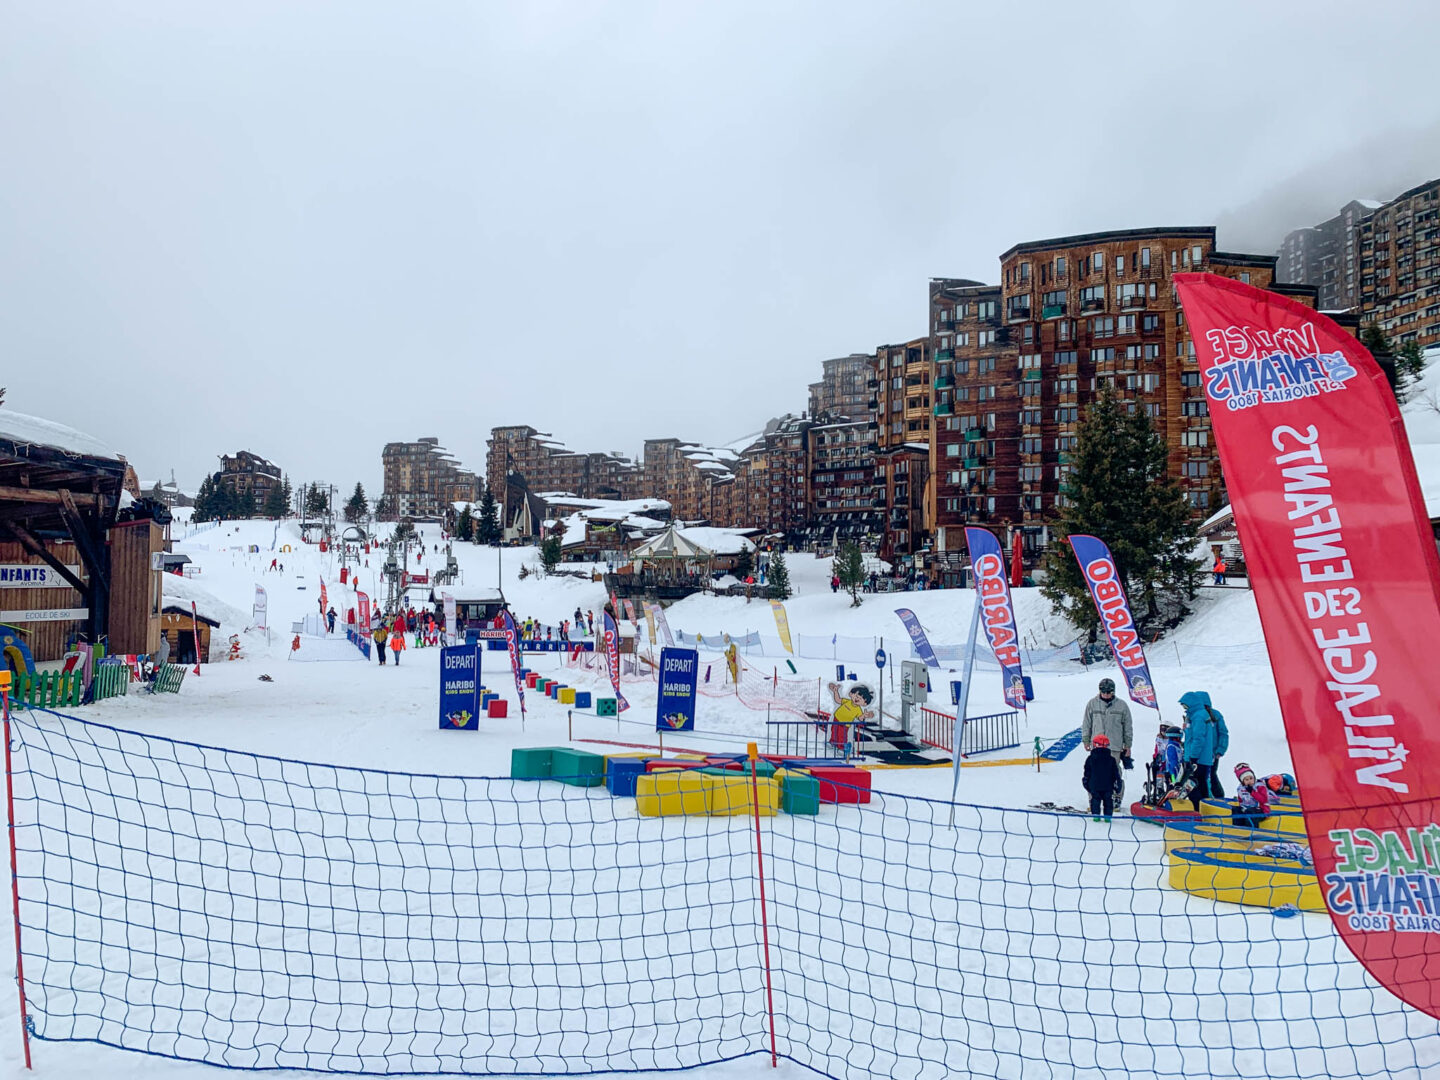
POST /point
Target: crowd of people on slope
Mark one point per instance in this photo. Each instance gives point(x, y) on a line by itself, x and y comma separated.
point(1184, 765)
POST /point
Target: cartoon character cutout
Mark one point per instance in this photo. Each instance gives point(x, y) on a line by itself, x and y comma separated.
point(854, 706)
point(459, 719)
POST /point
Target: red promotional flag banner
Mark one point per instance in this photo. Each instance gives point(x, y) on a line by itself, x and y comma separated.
point(1339, 552)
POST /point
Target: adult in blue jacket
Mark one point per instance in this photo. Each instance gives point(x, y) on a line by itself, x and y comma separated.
point(1206, 740)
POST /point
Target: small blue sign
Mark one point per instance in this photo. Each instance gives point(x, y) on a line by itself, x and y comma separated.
point(955, 685)
point(460, 688)
point(880, 659)
point(675, 703)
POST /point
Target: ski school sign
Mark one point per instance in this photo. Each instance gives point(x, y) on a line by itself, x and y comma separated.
point(1108, 592)
point(1341, 558)
point(997, 611)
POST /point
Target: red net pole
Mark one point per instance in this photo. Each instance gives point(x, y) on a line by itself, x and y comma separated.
point(752, 750)
point(15, 865)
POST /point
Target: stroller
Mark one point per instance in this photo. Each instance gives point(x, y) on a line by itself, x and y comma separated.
point(1165, 774)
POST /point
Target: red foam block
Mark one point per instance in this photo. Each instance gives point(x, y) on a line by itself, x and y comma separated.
point(840, 785)
point(498, 709)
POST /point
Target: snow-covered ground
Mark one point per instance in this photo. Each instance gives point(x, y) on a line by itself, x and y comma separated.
point(1027, 892)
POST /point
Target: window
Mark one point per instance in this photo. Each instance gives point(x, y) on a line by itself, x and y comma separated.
point(952, 449)
point(962, 338)
point(1151, 383)
point(1194, 408)
point(1102, 356)
point(1053, 299)
point(984, 365)
point(1059, 266)
point(1027, 332)
point(1066, 356)
point(1175, 260)
point(1132, 352)
point(962, 367)
point(1067, 414)
point(1067, 386)
point(1152, 410)
point(1102, 327)
point(1030, 417)
point(985, 393)
point(1029, 360)
point(1198, 437)
point(985, 309)
point(1199, 499)
point(1195, 255)
point(1064, 329)
point(1196, 469)
point(1119, 265)
point(1024, 272)
point(1149, 323)
point(1189, 378)
point(1132, 382)
point(1145, 258)
point(1066, 443)
point(986, 337)
point(962, 393)
point(1030, 446)
point(1020, 307)
point(1092, 298)
point(1245, 276)
point(1030, 474)
point(1125, 325)
point(1097, 261)
point(959, 312)
point(1150, 352)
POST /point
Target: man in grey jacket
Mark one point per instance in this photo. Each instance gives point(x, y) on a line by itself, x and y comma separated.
point(1107, 715)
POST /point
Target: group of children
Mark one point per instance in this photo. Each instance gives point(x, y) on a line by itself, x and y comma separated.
point(1168, 778)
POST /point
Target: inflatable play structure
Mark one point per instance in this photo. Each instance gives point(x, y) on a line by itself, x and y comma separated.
point(15, 652)
point(1266, 866)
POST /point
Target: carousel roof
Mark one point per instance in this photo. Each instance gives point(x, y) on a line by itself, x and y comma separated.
point(672, 544)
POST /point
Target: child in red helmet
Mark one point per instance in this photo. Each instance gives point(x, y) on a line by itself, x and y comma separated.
point(1252, 800)
point(1101, 777)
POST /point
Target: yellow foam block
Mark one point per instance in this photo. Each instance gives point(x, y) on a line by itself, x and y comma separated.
point(733, 795)
point(1210, 833)
point(567, 695)
point(1244, 877)
point(666, 793)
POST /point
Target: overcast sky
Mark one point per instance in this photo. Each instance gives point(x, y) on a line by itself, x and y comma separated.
point(307, 229)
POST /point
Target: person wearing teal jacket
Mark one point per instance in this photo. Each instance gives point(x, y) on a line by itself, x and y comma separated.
point(1206, 740)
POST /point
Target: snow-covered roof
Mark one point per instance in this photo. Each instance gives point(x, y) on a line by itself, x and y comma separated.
point(720, 541)
point(469, 594)
point(179, 592)
point(36, 431)
point(673, 543)
point(621, 507)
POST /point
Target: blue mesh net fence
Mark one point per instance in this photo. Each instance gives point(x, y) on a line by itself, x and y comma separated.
point(254, 912)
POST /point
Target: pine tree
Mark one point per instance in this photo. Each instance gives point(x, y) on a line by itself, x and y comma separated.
point(849, 567)
point(405, 530)
point(242, 505)
point(357, 507)
point(465, 524)
point(204, 508)
point(275, 506)
point(744, 564)
point(1117, 490)
point(488, 528)
point(550, 552)
point(289, 496)
point(317, 502)
point(779, 577)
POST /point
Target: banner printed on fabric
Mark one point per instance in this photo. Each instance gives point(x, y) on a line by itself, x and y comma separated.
point(917, 637)
point(362, 612)
point(1102, 578)
point(512, 643)
point(1341, 558)
point(612, 659)
point(324, 599)
point(460, 688)
point(629, 609)
point(782, 624)
point(664, 625)
point(997, 611)
point(675, 700)
point(649, 610)
point(452, 634)
point(260, 610)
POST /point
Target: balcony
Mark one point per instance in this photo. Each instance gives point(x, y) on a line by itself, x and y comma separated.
point(1132, 303)
point(874, 404)
point(974, 462)
point(974, 434)
point(944, 382)
point(1053, 311)
point(1092, 305)
point(1019, 314)
point(945, 409)
point(872, 384)
point(1030, 375)
point(945, 354)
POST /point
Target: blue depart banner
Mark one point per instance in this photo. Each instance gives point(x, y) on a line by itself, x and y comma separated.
point(917, 637)
point(675, 703)
point(460, 688)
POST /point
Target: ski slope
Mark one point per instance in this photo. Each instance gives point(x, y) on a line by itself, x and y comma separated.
point(355, 713)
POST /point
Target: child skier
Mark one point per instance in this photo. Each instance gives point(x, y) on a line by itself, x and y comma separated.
point(1101, 776)
point(1166, 766)
point(1252, 800)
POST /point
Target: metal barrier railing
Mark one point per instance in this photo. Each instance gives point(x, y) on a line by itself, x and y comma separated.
point(810, 738)
point(981, 734)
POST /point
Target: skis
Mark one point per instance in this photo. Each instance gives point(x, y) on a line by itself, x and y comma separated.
point(1074, 811)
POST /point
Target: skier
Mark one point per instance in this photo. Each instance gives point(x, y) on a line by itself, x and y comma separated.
point(1206, 740)
point(330, 619)
point(397, 639)
point(1252, 800)
point(380, 636)
point(1101, 778)
point(1107, 715)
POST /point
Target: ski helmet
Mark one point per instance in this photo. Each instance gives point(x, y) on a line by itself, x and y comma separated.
point(1107, 686)
point(1100, 740)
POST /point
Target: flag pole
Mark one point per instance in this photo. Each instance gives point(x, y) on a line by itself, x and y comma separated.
point(964, 701)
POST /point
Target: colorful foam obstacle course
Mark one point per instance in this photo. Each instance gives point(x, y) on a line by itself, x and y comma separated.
point(673, 792)
point(1266, 866)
